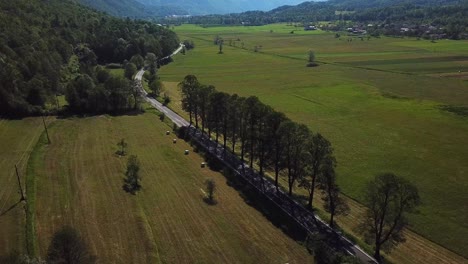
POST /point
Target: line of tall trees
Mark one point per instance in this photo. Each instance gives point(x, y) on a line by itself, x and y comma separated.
point(265, 138)
point(270, 141)
point(45, 45)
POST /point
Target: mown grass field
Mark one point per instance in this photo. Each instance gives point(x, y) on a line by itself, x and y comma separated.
point(17, 139)
point(380, 116)
point(79, 183)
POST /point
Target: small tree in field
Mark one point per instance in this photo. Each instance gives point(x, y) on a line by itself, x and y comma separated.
point(220, 47)
point(311, 62)
point(122, 147)
point(210, 185)
point(132, 180)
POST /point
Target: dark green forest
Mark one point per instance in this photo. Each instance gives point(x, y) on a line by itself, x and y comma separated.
point(133, 8)
point(49, 48)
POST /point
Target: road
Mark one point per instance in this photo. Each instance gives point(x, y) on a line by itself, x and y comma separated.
point(181, 46)
point(307, 219)
point(178, 120)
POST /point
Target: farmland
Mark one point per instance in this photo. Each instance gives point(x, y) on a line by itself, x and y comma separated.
point(79, 182)
point(18, 138)
point(380, 101)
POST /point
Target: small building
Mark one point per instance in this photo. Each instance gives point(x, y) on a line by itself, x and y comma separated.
point(310, 27)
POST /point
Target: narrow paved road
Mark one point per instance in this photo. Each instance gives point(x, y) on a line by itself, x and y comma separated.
point(304, 217)
point(178, 120)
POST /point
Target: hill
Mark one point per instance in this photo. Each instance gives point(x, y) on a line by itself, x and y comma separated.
point(44, 45)
point(133, 8)
point(203, 7)
point(360, 4)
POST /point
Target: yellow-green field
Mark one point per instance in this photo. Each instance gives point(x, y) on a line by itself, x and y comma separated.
point(379, 102)
point(17, 139)
point(79, 183)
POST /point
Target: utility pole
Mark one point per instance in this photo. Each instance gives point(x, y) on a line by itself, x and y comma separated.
point(45, 127)
point(19, 184)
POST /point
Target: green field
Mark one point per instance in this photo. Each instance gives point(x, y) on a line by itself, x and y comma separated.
point(377, 100)
point(79, 183)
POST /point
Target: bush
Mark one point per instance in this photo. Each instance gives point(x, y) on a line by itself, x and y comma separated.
point(167, 100)
point(114, 66)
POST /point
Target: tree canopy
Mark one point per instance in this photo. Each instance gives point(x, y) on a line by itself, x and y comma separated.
point(46, 46)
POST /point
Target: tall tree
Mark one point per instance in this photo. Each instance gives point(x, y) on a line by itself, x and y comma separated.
point(203, 103)
point(263, 138)
point(274, 121)
point(233, 117)
point(217, 110)
point(295, 154)
point(189, 87)
point(388, 199)
point(130, 70)
point(252, 108)
point(334, 204)
point(319, 150)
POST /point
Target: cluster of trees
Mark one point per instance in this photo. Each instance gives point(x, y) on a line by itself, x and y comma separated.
point(269, 140)
point(45, 45)
point(265, 138)
point(102, 92)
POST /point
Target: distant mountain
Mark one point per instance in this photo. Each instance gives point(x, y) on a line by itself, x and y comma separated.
point(203, 7)
point(360, 4)
point(160, 8)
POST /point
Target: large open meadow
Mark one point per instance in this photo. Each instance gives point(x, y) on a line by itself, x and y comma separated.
point(79, 180)
point(383, 103)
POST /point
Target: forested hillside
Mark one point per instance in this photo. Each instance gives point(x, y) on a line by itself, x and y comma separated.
point(46, 45)
point(133, 8)
point(203, 7)
point(360, 4)
point(423, 18)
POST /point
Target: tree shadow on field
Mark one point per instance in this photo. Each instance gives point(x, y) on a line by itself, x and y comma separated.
point(209, 201)
point(266, 207)
point(66, 114)
point(9, 209)
point(67, 246)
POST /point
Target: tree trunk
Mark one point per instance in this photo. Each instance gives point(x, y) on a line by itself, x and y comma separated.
point(202, 127)
point(190, 115)
point(233, 143)
point(312, 190)
point(377, 253)
point(332, 223)
point(276, 175)
point(311, 196)
point(196, 117)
